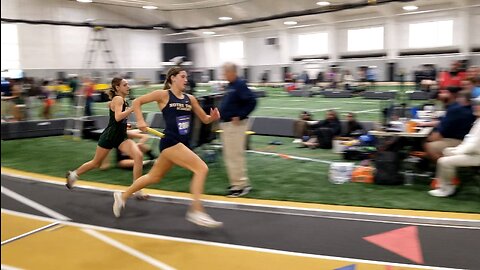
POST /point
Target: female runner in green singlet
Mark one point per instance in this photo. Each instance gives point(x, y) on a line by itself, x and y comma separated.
point(114, 136)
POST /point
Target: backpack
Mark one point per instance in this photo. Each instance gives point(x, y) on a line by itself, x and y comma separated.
point(325, 138)
point(387, 165)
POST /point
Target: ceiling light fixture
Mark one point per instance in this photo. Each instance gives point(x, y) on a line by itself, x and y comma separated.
point(323, 3)
point(209, 33)
point(85, 1)
point(290, 23)
point(225, 18)
point(410, 8)
point(149, 7)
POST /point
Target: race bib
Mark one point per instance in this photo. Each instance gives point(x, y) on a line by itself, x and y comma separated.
point(183, 123)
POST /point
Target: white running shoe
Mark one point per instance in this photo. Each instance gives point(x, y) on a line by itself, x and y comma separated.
point(203, 219)
point(442, 192)
point(297, 141)
point(71, 179)
point(118, 204)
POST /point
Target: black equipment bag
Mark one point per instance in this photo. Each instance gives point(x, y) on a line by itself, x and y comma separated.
point(325, 138)
point(387, 165)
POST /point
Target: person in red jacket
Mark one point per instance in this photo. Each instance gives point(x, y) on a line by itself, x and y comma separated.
point(454, 77)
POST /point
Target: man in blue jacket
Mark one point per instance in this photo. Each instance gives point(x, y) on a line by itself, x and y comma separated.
point(238, 102)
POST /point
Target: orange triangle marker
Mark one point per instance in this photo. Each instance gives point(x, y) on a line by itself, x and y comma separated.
point(403, 241)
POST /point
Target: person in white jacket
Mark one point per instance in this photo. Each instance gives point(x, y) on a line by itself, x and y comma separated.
point(466, 154)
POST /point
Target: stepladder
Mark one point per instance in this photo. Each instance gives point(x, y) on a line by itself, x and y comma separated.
point(98, 43)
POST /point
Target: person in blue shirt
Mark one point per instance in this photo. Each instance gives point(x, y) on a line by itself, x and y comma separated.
point(451, 129)
point(476, 87)
point(238, 102)
point(371, 75)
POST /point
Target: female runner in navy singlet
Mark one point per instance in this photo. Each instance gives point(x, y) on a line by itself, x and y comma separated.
point(177, 108)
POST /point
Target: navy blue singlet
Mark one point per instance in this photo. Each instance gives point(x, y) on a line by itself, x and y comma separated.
point(177, 114)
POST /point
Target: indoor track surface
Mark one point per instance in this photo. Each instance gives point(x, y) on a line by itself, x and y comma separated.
point(46, 226)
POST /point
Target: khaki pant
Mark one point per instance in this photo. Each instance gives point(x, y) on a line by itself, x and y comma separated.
point(447, 165)
point(234, 139)
point(440, 145)
point(300, 129)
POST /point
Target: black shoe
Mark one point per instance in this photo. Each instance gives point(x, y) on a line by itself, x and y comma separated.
point(235, 193)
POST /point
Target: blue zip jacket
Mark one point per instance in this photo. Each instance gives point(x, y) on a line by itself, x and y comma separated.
point(238, 101)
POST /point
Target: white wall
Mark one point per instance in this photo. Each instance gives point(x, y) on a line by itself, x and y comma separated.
point(46, 47)
point(341, 41)
point(260, 57)
point(475, 26)
point(403, 26)
point(65, 47)
point(258, 53)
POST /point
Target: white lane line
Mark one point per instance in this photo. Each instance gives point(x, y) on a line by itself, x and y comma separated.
point(366, 111)
point(30, 233)
point(262, 205)
point(289, 156)
point(298, 108)
point(8, 267)
point(281, 108)
point(223, 245)
point(33, 204)
point(128, 249)
point(60, 218)
point(326, 109)
point(310, 100)
point(361, 219)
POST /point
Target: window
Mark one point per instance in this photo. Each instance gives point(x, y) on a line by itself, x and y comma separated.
point(10, 51)
point(312, 44)
point(231, 51)
point(430, 34)
point(365, 39)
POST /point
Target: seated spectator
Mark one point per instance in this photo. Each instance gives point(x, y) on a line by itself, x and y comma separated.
point(371, 74)
point(465, 154)
point(300, 128)
point(304, 78)
point(265, 77)
point(428, 78)
point(451, 129)
point(468, 85)
point(123, 160)
point(332, 78)
point(324, 131)
point(48, 100)
point(288, 77)
point(16, 101)
point(472, 72)
point(453, 77)
point(348, 80)
point(476, 87)
point(320, 77)
point(354, 128)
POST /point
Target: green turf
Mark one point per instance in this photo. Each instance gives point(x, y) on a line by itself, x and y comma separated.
point(272, 177)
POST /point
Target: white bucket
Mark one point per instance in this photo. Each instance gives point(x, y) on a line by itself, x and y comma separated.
point(341, 172)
